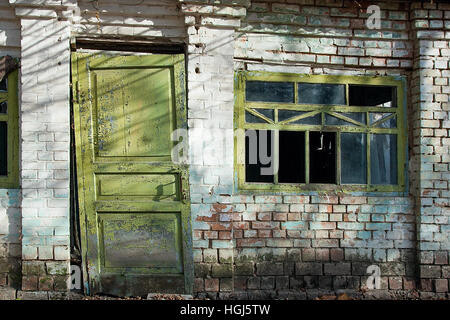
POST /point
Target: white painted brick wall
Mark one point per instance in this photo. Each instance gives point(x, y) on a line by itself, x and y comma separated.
point(45, 129)
point(10, 216)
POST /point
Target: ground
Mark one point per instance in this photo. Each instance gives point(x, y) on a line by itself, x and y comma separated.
point(312, 294)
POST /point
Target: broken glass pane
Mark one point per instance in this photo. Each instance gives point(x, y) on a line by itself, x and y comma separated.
point(259, 152)
point(321, 93)
point(322, 157)
point(391, 123)
point(353, 158)
point(3, 107)
point(3, 148)
point(383, 158)
point(371, 96)
point(292, 157)
point(269, 91)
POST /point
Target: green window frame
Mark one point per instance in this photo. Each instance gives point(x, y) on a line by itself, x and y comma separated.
point(9, 119)
point(370, 128)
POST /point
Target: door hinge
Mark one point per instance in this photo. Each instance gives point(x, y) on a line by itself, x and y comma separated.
point(182, 187)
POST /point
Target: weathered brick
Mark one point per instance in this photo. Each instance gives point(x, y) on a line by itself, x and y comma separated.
point(212, 285)
point(430, 271)
point(337, 268)
point(269, 268)
point(308, 268)
point(441, 285)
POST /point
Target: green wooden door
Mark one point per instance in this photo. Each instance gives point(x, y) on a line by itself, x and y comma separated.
point(133, 197)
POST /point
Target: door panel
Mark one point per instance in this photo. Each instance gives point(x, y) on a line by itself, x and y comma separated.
point(134, 212)
point(143, 186)
point(133, 121)
point(147, 240)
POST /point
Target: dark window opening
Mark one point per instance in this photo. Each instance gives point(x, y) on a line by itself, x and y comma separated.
point(3, 107)
point(4, 84)
point(3, 149)
point(322, 157)
point(259, 156)
point(269, 91)
point(292, 157)
point(369, 96)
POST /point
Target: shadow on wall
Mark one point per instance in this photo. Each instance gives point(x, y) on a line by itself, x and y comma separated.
point(10, 238)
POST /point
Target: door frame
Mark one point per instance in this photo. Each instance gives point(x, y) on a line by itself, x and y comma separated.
point(180, 103)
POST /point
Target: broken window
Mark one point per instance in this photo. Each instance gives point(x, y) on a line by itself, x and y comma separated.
point(325, 132)
point(9, 136)
point(292, 157)
point(322, 157)
point(381, 96)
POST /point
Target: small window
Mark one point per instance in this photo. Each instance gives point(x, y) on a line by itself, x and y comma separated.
point(335, 133)
point(381, 96)
point(353, 158)
point(9, 135)
point(321, 93)
point(383, 150)
point(269, 91)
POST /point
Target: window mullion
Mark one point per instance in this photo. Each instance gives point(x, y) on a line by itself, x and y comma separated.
point(306, 157)
point(296, 93)
point(338, 157)
point(368, 159)
point(347, 94)
point(276, 155)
